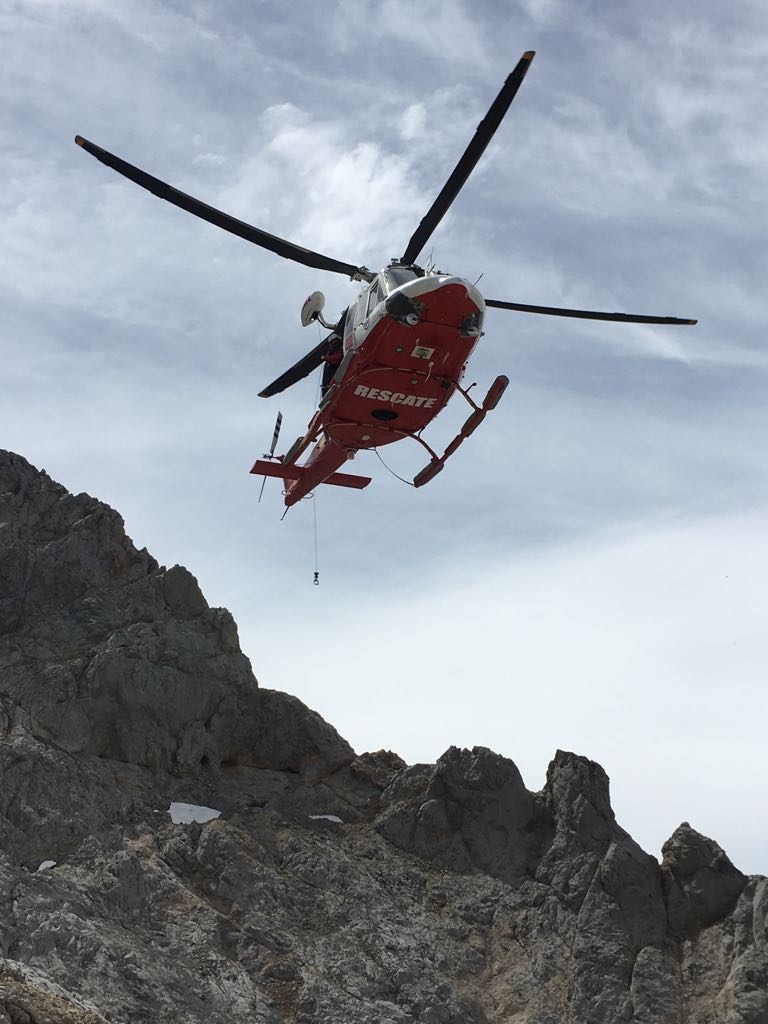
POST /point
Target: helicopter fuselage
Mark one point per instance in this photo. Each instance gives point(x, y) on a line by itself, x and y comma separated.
point(406, 342)
point(405, 350)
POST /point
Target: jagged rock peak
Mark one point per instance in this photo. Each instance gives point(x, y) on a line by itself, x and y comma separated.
point(700, 882)
point(104, 652)
point(57, 545)
point(470, 810)
point(573, 781)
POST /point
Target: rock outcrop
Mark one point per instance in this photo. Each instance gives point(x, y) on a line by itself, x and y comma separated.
point(110, 664)
point(333, 888)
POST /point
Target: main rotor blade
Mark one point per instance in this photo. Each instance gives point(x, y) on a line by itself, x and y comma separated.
point(280, 246)
point(588, 314)
point(299, 370)
point(465, 166)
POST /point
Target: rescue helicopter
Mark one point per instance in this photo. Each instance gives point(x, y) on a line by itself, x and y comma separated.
point(398, 354)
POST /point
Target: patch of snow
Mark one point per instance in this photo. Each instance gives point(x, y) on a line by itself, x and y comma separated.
point(326, 817)
point(185, 814)
point(46, 864)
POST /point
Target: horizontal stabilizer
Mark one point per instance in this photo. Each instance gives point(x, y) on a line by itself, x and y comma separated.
point(292, 472)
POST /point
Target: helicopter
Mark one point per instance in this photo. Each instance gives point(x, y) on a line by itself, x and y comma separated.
point(398, 354)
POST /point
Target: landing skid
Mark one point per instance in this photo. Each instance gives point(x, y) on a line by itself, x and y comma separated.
point(473, 421)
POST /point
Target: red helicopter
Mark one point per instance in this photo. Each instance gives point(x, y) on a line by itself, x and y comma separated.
point(396, 355)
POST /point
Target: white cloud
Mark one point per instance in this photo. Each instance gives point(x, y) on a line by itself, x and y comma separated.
point(212, 159)
point(546, 12)
point(327, 191)
point(413, 121)
point(447, 29)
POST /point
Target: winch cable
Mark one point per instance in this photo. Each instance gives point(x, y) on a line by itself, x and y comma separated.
point(316, 578)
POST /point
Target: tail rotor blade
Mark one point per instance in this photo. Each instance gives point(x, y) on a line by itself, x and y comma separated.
point(588, 314)
point(473, 152)
point(276, 434)
point(271, 453)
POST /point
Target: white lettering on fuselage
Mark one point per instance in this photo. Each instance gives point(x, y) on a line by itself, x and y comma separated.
point(394, 397)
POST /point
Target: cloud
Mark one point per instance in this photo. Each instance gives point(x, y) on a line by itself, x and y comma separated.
point(545, 12)
point(212, 159)
point(347, 198)
point(445, 29)
point(413, 121)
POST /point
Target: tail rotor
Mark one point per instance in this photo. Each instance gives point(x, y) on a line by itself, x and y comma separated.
point(270, 455)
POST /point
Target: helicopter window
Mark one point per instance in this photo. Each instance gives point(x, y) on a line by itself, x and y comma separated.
point(358, 309)
point(374, 296)
point(397, 276)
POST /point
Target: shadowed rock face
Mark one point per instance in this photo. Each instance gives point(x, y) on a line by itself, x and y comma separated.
point(700, 883)
point(445, 894)
point(469, 811)
point(110, 663)
point(107, 653)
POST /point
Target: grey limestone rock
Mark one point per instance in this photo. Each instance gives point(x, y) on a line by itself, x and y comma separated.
point(700, 882)
point(333, 888)
point(470, 810)
point(28, 996)
point(103, 652)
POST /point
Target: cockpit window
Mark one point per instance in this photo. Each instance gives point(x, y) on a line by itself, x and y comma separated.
point(398, 275)
point(374, 296)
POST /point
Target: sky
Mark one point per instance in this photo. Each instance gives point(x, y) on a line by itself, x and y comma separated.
point(589, 571)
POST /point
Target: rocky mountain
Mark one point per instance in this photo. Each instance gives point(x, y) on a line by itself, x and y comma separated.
point(333, 887)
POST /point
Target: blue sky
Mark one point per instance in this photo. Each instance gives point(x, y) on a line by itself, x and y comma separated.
point(589, 571)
